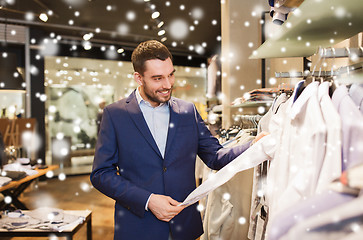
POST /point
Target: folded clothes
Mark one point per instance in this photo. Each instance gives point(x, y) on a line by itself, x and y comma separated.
point(14, 175)
point(44, 218)
point(4, 181)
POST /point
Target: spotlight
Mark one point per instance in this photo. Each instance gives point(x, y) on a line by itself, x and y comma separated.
point(155, 15)
point(43, 17)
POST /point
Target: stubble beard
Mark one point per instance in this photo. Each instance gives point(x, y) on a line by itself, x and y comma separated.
point(154, 97)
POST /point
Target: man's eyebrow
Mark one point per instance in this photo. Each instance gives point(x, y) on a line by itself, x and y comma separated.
point(156, 76)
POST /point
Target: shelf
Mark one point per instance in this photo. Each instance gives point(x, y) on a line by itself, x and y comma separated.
point(316, 23)
point(218, 108)
point(252, 104)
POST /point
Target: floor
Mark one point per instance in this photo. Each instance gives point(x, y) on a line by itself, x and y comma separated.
point(73, 193)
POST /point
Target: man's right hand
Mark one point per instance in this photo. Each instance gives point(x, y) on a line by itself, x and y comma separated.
point(164, 207)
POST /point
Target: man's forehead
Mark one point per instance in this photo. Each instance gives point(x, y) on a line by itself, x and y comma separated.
point(157, 65)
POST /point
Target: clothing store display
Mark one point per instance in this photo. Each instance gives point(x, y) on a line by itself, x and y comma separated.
point(14, 175)
point(315, 142)
point(18, 167)
point(297, 167)
point(262, 94)
point(258, 213)
point(43, 218)
point(305, 209)
point(333, 224)
point(4, 180)
point(352, 127)
point(356, 93)
point(228, 203)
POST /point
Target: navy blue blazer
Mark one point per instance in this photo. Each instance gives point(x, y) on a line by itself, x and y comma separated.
point(128, 167)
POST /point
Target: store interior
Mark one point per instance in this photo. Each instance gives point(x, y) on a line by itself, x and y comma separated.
point(232, 60)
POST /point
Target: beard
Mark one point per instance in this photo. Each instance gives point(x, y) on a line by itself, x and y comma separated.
point(156, 96)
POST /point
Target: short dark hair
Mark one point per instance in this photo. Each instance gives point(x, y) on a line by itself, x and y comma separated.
point(148, 50)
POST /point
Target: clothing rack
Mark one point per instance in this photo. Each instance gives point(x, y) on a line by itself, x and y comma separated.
point(340, 71)
point(247, 123)
point(341, 52)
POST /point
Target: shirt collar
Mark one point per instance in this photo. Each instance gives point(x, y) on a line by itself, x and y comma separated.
point(141, 100)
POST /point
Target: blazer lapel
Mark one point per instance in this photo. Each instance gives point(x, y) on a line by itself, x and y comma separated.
point(173, 123)
point(135, 113)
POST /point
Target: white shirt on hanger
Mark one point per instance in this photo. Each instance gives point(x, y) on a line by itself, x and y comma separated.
point(332, 163)
point(301, 153)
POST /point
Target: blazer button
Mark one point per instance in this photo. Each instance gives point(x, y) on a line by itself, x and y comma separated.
point(164, 169)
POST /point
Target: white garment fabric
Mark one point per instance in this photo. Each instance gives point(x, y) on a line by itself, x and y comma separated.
point(332, 162)
point(334, 224)
point(227, 204)
point(4, 181)
point(253, 156)
point(295, 169)
point(259, 211)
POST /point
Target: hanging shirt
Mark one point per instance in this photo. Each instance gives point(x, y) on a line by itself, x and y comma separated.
point(298, 160)
point(258, 211)
point(332, 163)
point(352, 127)
point(157, 119)
point(334, 224)
point(356, 93)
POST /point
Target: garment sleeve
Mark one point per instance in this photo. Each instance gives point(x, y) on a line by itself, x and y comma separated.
point(105, 177)
point(211, 151)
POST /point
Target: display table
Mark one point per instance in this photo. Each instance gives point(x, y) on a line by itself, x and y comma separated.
point(67, 232)
point(15, 188)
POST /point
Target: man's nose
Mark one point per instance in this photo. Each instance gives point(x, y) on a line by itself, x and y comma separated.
point(167, 83)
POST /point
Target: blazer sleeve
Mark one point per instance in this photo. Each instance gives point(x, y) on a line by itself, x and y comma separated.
point(213, 154)
point(104, 175)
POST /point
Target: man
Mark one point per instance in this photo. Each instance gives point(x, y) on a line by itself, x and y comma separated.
point(146, 151)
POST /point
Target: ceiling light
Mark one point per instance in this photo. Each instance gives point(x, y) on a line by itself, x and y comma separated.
point(87, 45)
point(161, 32)
point(43, 17)
point(164, 39)
point(50, 12)
point(155, 15)
point(87, 36)
point(120, 50)
point(160, 24)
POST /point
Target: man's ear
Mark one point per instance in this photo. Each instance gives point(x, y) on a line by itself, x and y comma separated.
point(138, 78)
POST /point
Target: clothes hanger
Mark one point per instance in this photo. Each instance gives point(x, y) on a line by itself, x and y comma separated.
point(311, 75)
point(333, 83)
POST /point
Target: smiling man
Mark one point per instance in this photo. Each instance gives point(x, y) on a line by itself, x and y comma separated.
point(146, 151)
